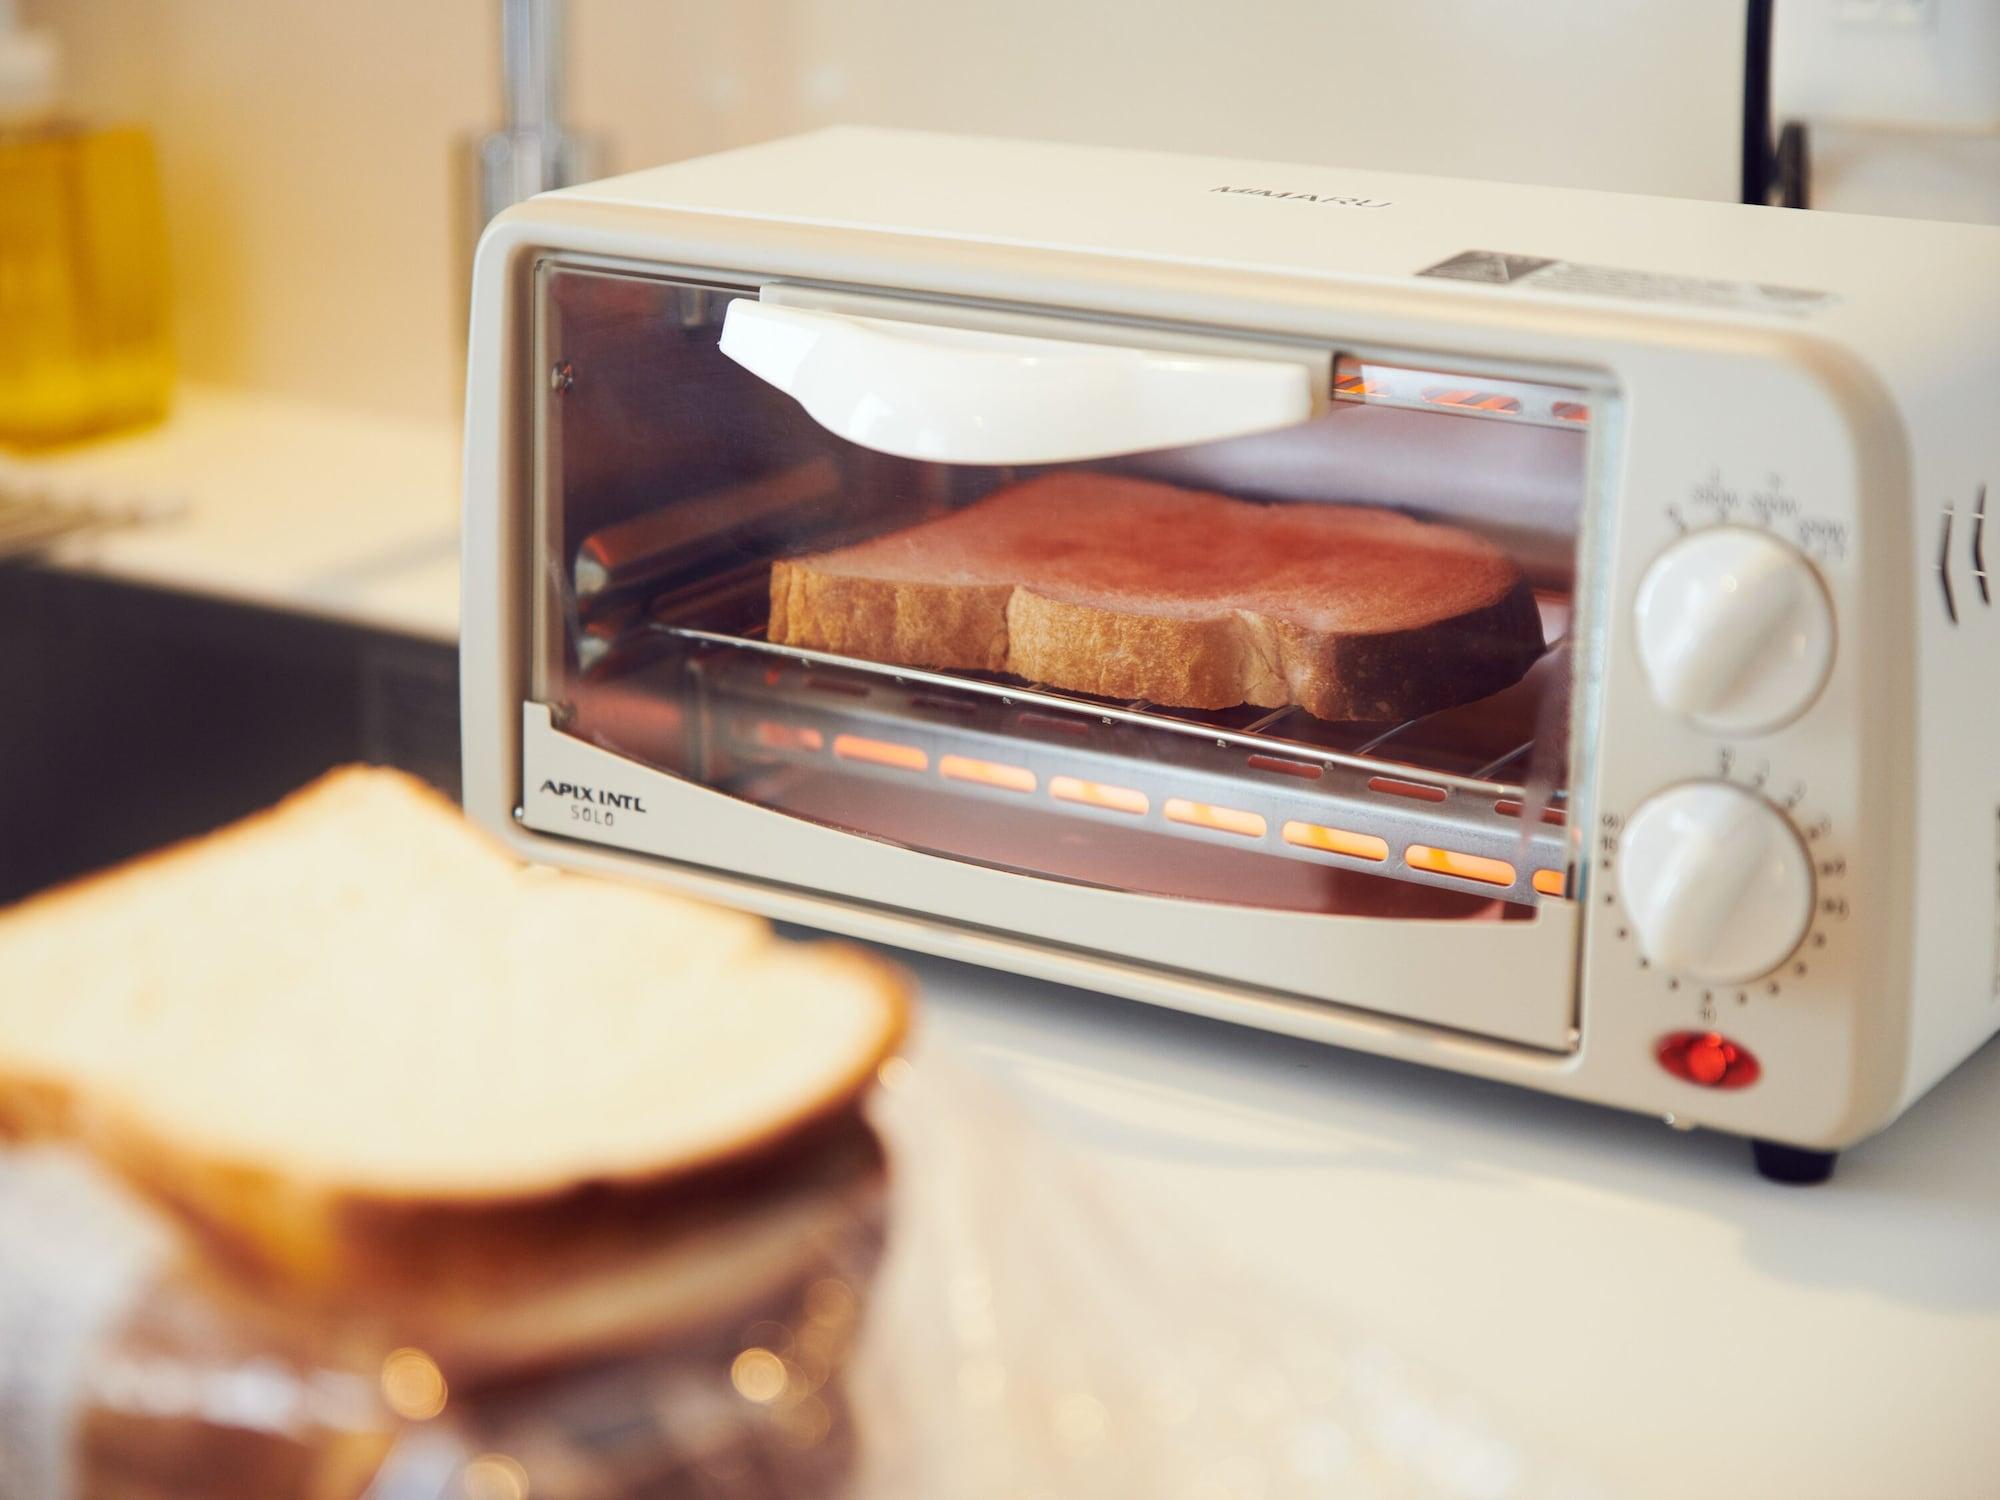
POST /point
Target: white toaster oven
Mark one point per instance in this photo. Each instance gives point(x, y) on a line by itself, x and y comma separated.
point(1720, 843)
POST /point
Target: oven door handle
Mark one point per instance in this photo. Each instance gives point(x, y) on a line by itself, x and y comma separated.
point(969, 396)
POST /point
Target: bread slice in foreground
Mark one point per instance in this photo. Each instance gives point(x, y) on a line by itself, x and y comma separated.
point(1123, 587)
point(354, 1009)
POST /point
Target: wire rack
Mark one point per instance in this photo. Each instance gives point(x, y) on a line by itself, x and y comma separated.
point(1415, 801)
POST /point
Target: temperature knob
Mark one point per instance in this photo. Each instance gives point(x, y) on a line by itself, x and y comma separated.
point(1734, 630)
point(1715, 882)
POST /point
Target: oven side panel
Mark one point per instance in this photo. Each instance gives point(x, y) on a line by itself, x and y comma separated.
point(1785, 438)
point(1953, 610)
point(494, 606)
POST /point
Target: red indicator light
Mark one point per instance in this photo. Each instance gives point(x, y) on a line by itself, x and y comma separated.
point(1708, 1059)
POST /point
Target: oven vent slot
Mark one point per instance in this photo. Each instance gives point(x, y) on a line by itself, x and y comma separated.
point(1979, 546)
point(1393, 787)
point(1975, 534)
point(1304, 770)
point(1944, 568)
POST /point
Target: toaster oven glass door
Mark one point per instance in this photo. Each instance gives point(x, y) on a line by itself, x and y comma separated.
point(1277, 626)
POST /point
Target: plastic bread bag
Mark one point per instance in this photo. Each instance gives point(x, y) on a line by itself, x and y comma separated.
point(1024, 1329)
point(1040, 1330)
point(626, 1345)
point(127, 1373)
point(981, 1316)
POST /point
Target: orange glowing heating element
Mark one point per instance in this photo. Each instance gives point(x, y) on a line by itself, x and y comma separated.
point(1551, 882)
point(986, 773)
point(1463, 866)
point(1247, 825)
point(1098, 794)
point(880, 752)
point(1471, 400)
point(1570, 411)
point(775, 736)
point(1355, 385)
point(1336, 841)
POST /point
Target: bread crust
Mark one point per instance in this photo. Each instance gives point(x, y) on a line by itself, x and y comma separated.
point(1178, 659)
point(323, 1234)
point(908, 624)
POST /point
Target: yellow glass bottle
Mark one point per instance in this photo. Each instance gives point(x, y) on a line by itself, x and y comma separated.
point(83, 288)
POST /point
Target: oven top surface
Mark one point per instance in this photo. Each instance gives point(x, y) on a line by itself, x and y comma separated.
point(1472, 239)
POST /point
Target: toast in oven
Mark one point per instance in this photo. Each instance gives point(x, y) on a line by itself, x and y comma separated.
point(1127, 588)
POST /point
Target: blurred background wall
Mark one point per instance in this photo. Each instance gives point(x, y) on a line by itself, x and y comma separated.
point(313, 194)
point(303, 590)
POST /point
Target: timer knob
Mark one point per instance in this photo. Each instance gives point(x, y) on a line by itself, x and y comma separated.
point(1734, 629)
point(1715, 882)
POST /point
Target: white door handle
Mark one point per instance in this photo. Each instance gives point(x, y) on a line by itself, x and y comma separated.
point(966, 396)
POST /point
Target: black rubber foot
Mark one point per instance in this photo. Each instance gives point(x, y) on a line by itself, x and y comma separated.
point(1793, 1164)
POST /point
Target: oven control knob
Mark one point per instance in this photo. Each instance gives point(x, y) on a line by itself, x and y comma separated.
point(1734, 630)
point(1715, 882)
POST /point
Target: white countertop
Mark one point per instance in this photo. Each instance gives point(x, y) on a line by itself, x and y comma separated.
point(1691, 1329)
point(266, 500)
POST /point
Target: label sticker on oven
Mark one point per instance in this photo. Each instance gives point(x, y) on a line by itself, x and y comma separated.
point(1576, 278)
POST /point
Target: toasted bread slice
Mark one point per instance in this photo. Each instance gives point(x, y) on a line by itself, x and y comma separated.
point(1123, 587)
point(354, 1010)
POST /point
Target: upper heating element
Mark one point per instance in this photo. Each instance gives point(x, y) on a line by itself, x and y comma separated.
point(1421, 390)
point(1289, 629)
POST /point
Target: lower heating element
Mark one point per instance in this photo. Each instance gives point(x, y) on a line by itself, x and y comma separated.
point(1247, 804)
